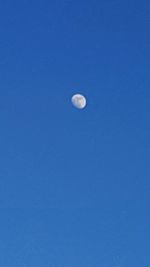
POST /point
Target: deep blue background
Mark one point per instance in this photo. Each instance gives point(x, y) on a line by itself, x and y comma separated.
point(74, 185)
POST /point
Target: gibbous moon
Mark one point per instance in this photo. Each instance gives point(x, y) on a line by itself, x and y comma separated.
point(79, 101)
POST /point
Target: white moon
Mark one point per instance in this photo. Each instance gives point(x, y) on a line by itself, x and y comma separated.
point(79, 101)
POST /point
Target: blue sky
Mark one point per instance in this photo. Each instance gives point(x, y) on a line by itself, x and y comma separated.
point(74, 185)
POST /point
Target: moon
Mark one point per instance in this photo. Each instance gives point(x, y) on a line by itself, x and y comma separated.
point(79, 101)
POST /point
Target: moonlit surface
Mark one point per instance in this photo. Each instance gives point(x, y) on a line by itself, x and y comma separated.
point(79, 101)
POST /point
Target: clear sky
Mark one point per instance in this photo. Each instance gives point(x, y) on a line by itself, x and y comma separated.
point(74, 184)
